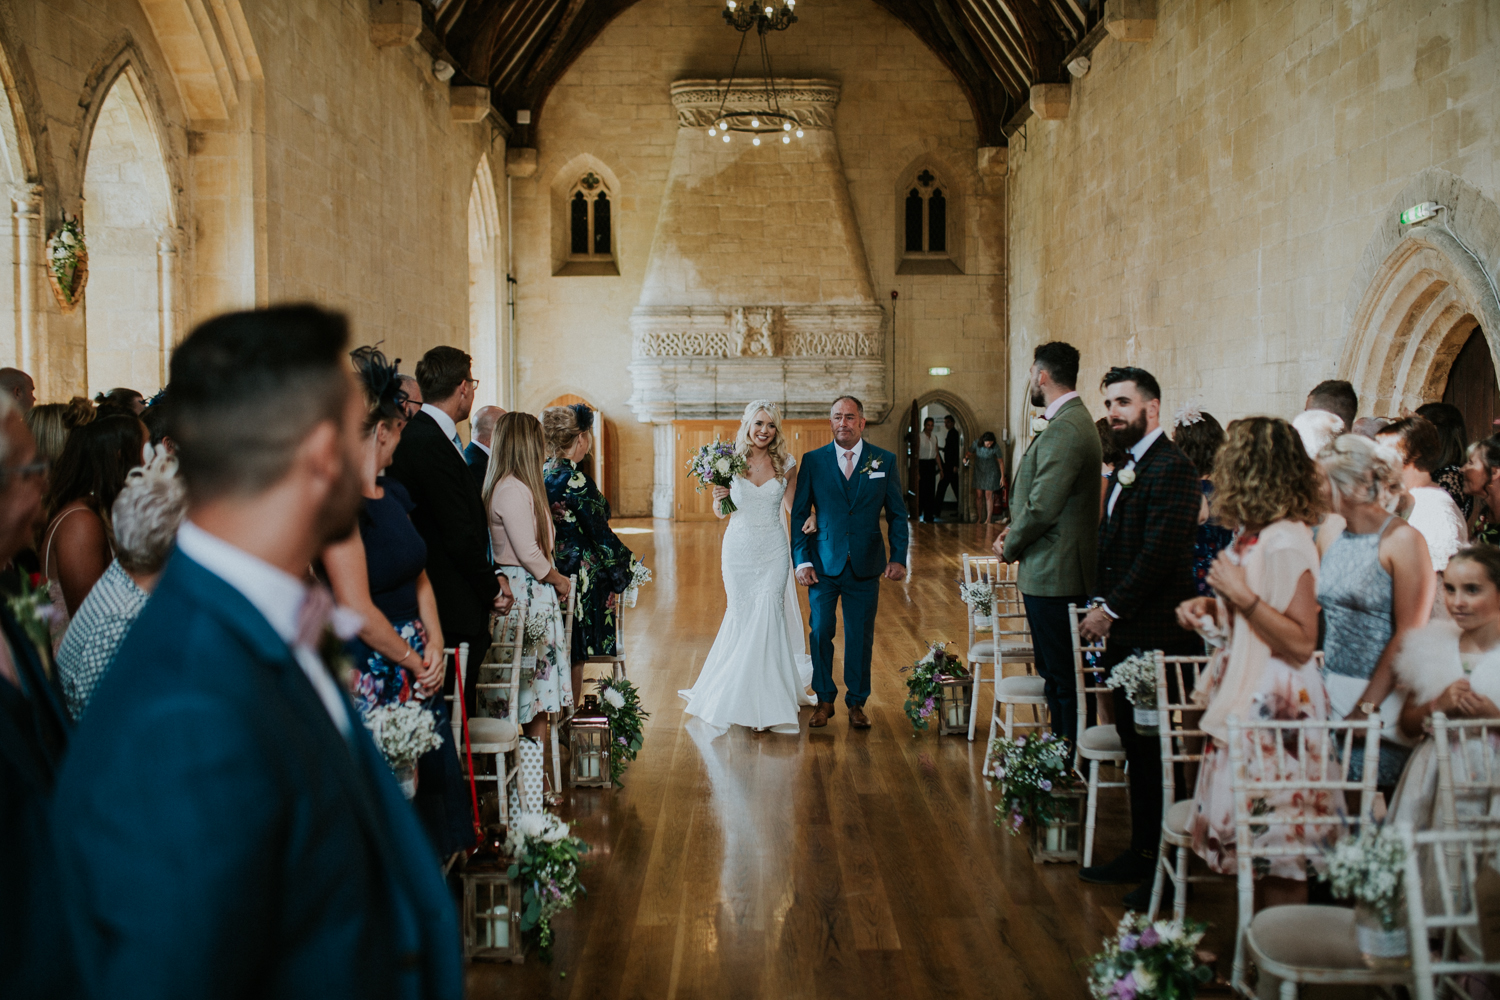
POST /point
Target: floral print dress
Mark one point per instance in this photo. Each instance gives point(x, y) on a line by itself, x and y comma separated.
point(587, 547)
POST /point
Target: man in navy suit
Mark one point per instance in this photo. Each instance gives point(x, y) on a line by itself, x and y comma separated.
point(227, 825)
point(34, 958)
point(481, 430)
point(849, 482)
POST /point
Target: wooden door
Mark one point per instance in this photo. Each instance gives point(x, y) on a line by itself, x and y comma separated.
point(1472, 387)
point(597, 460)
point(690, 505)
point(802, 436)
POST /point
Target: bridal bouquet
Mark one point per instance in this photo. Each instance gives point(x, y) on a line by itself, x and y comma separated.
point(1150, 961)
point(923, 690)
point(716, 464)
point(1031, 772)
point(546, 865)
point(403, 731)
point(621, 704)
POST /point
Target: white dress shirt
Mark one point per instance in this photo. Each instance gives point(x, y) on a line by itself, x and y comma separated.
point(841, 454)
point(1057, 404)
point(450, 429)
point(277, 595)
point(1137, 452)
point(926, 446)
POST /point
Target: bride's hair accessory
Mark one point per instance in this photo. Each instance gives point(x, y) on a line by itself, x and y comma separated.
point(1189, 413)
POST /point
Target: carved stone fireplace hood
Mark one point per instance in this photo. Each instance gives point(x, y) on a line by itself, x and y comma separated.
point(757, 284)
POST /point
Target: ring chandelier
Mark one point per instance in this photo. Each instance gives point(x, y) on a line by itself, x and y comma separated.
point(764, 16)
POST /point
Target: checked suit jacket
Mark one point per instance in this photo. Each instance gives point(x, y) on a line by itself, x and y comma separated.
point(1146, 548)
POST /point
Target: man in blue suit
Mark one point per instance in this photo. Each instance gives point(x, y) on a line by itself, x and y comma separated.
point(227, 826)
point(848, 482)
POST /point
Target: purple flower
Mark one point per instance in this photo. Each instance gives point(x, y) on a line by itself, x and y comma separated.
point(1128, 942)
point(1046, 785)
point(1125, 988)
point(1149, 938)
point(1046, 737)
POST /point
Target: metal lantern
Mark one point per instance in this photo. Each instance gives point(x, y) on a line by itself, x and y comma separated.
point(588, 741)
point(953, 704)
point(492, 914)
point(1061, 839)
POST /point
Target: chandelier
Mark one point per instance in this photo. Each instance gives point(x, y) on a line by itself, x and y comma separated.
point(765, 16)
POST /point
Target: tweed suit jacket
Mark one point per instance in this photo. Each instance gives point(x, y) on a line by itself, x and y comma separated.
point(1146, 548)
point(1054, 528)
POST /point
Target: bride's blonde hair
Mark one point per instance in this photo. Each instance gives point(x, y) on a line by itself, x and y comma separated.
point(777, 448)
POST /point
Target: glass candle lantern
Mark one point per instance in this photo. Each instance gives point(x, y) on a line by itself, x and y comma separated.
point(588, 741)
point(492, 913)
point(953, 704)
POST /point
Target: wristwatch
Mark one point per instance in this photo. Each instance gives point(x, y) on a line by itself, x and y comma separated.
point(1368, 707)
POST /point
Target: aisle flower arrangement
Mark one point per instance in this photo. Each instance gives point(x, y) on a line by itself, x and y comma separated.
point(1034, 771)
point(33, 611)
point(1368, 869)
point(639, 576)
point(923, 690)
point(979, 596)
point(403, 731)
point(621, 704)
point(546, 866)
point(1136, 674)
point(716, 464)
point(1149, 961)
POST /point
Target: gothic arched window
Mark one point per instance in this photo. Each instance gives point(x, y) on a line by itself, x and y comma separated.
point(589, 233)
point(926, 245)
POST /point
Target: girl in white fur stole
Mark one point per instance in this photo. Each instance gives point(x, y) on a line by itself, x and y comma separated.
point(1453, 668)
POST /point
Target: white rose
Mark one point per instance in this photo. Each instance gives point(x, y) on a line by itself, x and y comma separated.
point(1126, 477)
point(722, 466)
point(66, 236)
point(558, 830)
point(614, 697)
point(1145, 980)
point(532, 824)
point(1038, 424)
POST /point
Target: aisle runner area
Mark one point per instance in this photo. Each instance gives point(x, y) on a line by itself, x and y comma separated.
point(830, 864)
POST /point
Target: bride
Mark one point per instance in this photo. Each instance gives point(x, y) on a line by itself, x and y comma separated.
point(756, 674)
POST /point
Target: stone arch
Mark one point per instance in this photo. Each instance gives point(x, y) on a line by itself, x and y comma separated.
point(1418, 295)
point(20, 244)
point(129, 221)
point(967, 422)
point(485, 298)
point(560, 186)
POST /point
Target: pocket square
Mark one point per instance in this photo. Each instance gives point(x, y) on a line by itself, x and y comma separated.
point(877, 475)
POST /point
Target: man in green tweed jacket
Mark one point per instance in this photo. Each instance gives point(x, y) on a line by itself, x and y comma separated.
point(1054, 527)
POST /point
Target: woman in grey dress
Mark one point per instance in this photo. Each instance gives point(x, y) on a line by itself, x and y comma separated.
point(1376, 584)
point(988, 479)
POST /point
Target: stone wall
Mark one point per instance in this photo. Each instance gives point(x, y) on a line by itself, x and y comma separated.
point(1203, 209)
point(898, 105)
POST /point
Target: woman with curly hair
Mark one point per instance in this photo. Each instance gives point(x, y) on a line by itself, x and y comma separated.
point(1266, 490)
point(585, 544)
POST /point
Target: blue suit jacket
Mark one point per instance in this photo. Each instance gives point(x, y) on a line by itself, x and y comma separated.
point(34, 958)
point(478, 461)
point(221, 837)
point(849, 513)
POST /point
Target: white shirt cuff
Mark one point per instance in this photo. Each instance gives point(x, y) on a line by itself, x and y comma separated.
point(1109, 611)
point(802, 566)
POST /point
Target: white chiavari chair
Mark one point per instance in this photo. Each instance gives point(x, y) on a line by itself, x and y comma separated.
point(1010, 638)
point(616, 662)
point(1181, 743)
point(1447, 865)
point(569, 609)
point(1468, 769)
point(1096, 744)
point(1281, 760)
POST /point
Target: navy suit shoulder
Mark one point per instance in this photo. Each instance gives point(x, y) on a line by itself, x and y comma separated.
point(222, 837)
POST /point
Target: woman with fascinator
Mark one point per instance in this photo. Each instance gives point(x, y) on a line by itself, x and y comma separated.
point(1199, 435)
point(379, 573)
point(585, 544)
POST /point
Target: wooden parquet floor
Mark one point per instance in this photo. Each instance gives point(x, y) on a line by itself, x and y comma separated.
point(831, 864)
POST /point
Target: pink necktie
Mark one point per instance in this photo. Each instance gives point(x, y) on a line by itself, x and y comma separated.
point(848, 464)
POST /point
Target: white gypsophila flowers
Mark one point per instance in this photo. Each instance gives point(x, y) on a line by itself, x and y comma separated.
point(1137, 675)
point(980, 596)
point(614, 697)
point(1368, 868)
point(403, 732)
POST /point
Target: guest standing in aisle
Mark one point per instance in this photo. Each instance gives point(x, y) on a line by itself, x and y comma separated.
point(1145, 571)
point(951, 452)
point(447, 510)
point(1054, 528)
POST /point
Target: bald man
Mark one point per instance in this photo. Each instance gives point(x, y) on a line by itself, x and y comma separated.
point(19, 386)
point(482, 427)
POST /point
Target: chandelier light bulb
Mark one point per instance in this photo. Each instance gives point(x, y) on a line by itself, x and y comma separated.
point(799, 133)
point(786, 139)
point(755, 141)
point(731, 4)
point(726, 136)
point(768, 11)
point(755, 123)
point(786, 126)
point(723, 126)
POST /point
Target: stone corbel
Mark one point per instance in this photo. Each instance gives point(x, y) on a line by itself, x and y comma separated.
point(469, 105)
point(1131, 20)
point(1049, 101)
point(394, 22)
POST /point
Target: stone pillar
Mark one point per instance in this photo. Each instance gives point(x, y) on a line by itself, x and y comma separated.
point(664, 482)
point(166, 300)
point(27, 219)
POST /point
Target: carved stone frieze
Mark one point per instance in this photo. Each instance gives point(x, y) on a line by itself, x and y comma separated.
point(700, 103)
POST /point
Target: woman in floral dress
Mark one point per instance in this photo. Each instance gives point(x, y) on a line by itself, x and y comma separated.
point(1267, 488)
point(585, 544)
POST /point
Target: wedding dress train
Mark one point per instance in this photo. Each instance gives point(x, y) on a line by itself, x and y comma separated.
point(757, 673)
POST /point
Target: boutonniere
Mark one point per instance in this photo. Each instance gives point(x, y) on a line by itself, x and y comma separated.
point(1039, 424)
point(1126, 478)
point(34, 612)
point(871, 464)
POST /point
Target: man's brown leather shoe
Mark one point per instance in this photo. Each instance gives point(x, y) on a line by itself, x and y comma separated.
point(821, 715)
point(857, 718)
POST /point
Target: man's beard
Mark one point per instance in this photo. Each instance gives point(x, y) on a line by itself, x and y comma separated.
point(1037, 399)
point(339, 515)
point(1129, 436)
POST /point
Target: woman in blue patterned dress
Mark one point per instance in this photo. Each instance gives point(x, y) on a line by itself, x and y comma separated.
point(1199, 436)
point(379, 573)
point(585, 544)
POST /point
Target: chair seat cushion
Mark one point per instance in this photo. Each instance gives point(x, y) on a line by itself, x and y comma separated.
point(982, 651)
point(1307, 937)
point(1101, 739)
point(1179, 816)
point(1024, 686)
point(485, 730)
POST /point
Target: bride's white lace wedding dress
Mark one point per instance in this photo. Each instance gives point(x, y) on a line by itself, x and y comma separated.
point(757, 672)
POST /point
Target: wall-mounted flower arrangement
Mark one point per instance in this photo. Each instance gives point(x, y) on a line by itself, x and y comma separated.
point(67, 263)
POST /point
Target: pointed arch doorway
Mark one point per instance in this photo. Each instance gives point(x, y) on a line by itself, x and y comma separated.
point(1472, 386)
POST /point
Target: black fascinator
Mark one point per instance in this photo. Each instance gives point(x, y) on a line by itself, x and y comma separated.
point(382, 387)
point(583, 416)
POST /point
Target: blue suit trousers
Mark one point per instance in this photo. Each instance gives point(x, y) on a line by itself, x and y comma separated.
point(861, 598)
